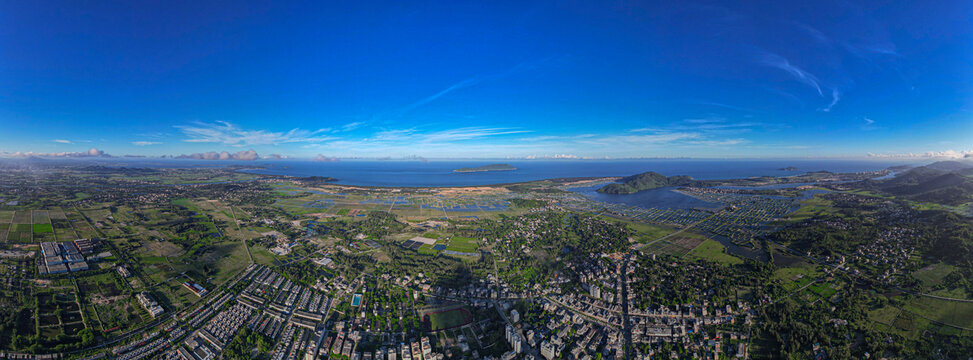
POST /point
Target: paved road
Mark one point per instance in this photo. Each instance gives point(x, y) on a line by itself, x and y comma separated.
point(626, 322)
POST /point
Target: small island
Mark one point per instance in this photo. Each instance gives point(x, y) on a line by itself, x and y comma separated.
point(491, 167)
point(644, 181)
point(789, 168)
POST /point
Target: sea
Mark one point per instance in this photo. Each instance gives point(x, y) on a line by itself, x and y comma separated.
point(439, 173)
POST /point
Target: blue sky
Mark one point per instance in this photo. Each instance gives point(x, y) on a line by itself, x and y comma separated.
point(488, 79)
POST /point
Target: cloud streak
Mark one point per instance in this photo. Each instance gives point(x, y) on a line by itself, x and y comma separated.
point(835, 97)
point(449, 135)
point(223, 132)
point(473, 81)
point(799, 74)
point(477, 80)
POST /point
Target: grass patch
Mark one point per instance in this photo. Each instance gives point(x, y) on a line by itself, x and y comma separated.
point(426, 249)
point(153, 259)
point(43, 228)
point(795, 277)
point(446, 319)
point(884, 315)
point(933, 274)
point(462, 244)
point(186, 203)
point(811, 208)
point(714, 251)
point(948, 312)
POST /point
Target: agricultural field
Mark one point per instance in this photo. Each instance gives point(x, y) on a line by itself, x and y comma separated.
point(41, 217)
point(5, 218)
point(59, 313)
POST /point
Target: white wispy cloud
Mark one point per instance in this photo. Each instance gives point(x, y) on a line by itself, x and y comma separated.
point(478, 79)
point(714, 143)
point(869, 124)
point(814, 33)
point(781, 63)
point(473, 81)
point(352, 126)
point(443, 136)
point(62, 141)
point(145, 143)
point(709, 120)
point(223, 132)
point(835, 97)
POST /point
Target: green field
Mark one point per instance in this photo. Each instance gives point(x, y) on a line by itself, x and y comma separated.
point(885, 315)
point(811, 208)
point(6, 216)
point(43, 228)
point(462, 244)
point(186, 203)
point(949, 312)
point(426, 249)
point(148, 260)
point(714, 251)
point(933, 274)
point(650, 232)
point(438, 320)
point(795, 277)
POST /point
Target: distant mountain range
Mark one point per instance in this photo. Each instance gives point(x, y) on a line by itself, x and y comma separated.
point(491, 167)
point(644, 181)
point(944, 182)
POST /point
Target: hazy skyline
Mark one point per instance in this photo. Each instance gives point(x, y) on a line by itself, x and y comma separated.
point(487, 79)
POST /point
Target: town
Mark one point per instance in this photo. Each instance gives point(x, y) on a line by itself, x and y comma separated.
point(214, 263)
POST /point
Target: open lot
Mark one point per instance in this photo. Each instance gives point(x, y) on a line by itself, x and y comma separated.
point(714, 251)
point(446, 318)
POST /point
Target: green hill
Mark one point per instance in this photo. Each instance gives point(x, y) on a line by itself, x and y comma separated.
point(644, 181)
point(944, 183)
